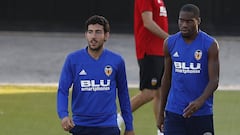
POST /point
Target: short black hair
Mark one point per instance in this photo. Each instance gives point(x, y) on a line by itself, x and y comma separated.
point(97, 19)
point(191, 8)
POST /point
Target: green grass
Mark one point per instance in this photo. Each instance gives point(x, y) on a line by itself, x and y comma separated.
point(226, 118)
point(31, 110)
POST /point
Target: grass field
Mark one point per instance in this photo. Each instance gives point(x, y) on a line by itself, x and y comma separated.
point(31, 110)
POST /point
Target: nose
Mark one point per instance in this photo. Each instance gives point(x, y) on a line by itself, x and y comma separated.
point(93, 35)
point(184, 23)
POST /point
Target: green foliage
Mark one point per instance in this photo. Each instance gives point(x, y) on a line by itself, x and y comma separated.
point(34, 113)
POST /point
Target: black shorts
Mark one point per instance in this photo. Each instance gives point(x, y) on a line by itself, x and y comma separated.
point(151, 71)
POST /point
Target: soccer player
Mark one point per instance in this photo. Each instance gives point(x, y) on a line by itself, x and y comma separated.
point(190, 78)
point(150, 30)
point(96, 75)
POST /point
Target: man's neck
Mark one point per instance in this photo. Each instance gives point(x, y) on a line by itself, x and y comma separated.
point(95, 53)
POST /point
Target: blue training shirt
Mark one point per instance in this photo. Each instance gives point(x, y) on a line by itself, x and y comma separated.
point(189, 73)
point(95, 85)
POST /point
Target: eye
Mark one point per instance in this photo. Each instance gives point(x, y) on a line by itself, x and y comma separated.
point(99, 32)
point(185, 20)
point(89, 31)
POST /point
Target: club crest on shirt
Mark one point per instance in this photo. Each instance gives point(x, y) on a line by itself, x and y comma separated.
point(154, 81)
point(108, 70)
point(198, 54)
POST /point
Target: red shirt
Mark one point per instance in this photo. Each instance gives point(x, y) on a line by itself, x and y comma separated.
point(147, 42)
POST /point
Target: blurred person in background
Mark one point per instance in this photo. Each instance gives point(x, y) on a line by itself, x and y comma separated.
point(150, 30)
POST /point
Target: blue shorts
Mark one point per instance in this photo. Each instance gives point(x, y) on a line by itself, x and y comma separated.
point(82, 130)
point(175, 124)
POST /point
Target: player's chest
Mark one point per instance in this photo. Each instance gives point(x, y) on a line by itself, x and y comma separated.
point(95, 70)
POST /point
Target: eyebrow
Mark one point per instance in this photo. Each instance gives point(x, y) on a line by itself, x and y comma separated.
point(186, 19)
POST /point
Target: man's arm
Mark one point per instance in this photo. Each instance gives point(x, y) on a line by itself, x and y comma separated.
point(65, 83)
point(213, 73)
point(152, 26)
point(165, 85)
point(124, 99)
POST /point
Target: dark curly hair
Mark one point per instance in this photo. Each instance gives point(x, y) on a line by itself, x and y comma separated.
point(191, 8)
point(97, 19)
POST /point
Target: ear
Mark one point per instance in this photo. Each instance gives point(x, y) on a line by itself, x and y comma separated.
point(106, 36)
point(199, 21)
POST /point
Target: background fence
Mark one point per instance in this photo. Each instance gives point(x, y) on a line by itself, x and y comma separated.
point(218, 16)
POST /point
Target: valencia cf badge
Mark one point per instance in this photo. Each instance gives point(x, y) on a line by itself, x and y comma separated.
point(108, 70)
point(154, 82)
point(198, 54)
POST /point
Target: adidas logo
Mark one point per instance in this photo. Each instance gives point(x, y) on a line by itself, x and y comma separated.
point(83, 72)
point(175, 54)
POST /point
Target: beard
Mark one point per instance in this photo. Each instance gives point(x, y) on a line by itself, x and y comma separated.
point(95, 48)
point(95, 45)
point(185, 36)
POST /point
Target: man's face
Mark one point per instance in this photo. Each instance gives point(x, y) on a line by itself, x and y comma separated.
point(188, 24)
point(96, 37)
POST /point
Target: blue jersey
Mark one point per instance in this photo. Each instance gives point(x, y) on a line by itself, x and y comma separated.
point(95, 85)
point(189, 72)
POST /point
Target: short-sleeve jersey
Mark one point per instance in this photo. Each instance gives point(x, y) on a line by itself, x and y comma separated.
point(147, 43)
point(189, 72)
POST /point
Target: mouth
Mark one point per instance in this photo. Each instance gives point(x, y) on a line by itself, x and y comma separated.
point(93, 42)
point(184, 30)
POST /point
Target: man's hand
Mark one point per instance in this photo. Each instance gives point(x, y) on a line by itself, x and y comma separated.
point(192, 107)
point(160, 122)
point(67, 124)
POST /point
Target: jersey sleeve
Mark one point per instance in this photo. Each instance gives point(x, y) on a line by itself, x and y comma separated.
point(123, 96)
point(145, 5)
point(65, 83)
